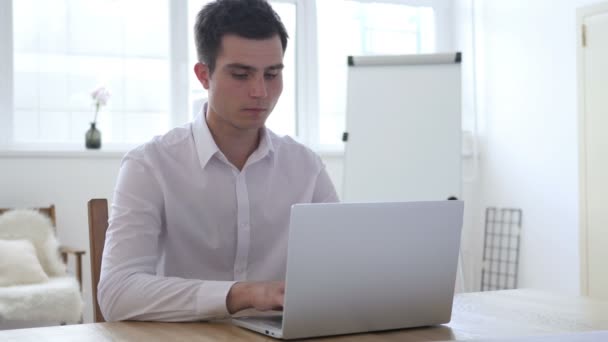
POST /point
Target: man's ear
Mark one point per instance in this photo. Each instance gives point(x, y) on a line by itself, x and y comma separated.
point(202, 73)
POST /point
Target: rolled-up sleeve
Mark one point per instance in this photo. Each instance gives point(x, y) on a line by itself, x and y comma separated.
point(129, 287)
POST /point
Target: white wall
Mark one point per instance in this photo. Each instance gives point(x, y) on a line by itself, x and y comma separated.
point(69, 180)
point(529, 130)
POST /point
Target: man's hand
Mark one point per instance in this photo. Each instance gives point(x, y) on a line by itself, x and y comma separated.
point(261, 296)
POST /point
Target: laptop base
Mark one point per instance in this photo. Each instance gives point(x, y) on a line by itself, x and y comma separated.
point(268, 325)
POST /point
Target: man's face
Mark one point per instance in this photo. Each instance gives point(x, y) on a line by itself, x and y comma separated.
point(246, 83)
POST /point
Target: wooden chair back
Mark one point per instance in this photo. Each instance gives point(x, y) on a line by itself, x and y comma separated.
point(98, 224)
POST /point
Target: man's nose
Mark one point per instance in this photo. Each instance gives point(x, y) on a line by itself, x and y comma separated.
point(258, 88)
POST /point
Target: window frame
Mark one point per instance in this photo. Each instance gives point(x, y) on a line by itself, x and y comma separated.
point(307, 97)
point(6, 73)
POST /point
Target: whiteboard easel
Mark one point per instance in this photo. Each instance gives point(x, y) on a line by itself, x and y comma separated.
point(403, 121)
point(403, 130)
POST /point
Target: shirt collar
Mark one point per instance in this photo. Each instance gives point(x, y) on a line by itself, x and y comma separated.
point(203, 140)
point(206, 147)
point(265, 147)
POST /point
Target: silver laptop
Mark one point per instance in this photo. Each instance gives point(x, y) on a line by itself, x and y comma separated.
point(359, 267)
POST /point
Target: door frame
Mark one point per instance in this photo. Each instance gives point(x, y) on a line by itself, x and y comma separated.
point(581, 14)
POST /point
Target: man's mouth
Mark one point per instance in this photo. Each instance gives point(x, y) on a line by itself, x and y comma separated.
point(255, 109)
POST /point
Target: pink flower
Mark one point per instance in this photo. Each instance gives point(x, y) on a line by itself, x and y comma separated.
point(101, 96)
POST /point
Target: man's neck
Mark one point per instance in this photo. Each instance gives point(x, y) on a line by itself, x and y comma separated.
point(236, 144)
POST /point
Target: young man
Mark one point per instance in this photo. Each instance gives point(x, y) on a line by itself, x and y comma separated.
point(199, 221)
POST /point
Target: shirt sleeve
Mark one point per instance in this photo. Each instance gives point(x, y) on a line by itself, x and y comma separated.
point(129, 287)
point(324, 191)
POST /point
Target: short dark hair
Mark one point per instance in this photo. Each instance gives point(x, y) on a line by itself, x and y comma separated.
point(252, 19)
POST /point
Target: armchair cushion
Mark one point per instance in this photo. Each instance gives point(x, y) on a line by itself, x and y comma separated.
point(19, 263)
point(33, 226)
point(57, 300)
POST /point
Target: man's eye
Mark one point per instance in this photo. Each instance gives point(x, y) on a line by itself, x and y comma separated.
point(240, 76)
point(270, 76)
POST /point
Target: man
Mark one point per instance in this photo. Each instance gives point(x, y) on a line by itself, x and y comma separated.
point(199, 221)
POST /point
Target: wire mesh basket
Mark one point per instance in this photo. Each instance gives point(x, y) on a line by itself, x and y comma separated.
point(501, 249)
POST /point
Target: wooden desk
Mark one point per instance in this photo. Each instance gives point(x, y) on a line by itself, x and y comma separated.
point(475, 315)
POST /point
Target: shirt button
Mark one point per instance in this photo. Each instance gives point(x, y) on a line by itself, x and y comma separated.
point(244, 224)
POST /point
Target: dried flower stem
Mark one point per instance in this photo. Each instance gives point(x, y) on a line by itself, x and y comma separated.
point(96, 111)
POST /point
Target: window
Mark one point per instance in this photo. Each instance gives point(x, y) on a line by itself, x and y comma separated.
point(63, 49)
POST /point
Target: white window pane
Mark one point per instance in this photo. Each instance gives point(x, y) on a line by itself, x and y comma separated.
point(96, 27)
point(155, 124)
point(146, 31)
point(27, 98)
point(427, 30)
point(41, 25)
point(25, 30)
point(146, 85)
point(385, 41)
point(53, 25)
point(64, 49)
point(54, 126)
point(53, 91)
point(115, 125)
point(25, 126)
point(362, 28)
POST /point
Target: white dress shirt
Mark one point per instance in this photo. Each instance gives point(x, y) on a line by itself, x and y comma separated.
point(186, 224)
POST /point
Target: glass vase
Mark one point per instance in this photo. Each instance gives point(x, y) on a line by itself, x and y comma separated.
point(93, 137)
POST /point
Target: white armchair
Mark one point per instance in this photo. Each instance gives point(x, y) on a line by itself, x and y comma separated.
point(35, 289)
